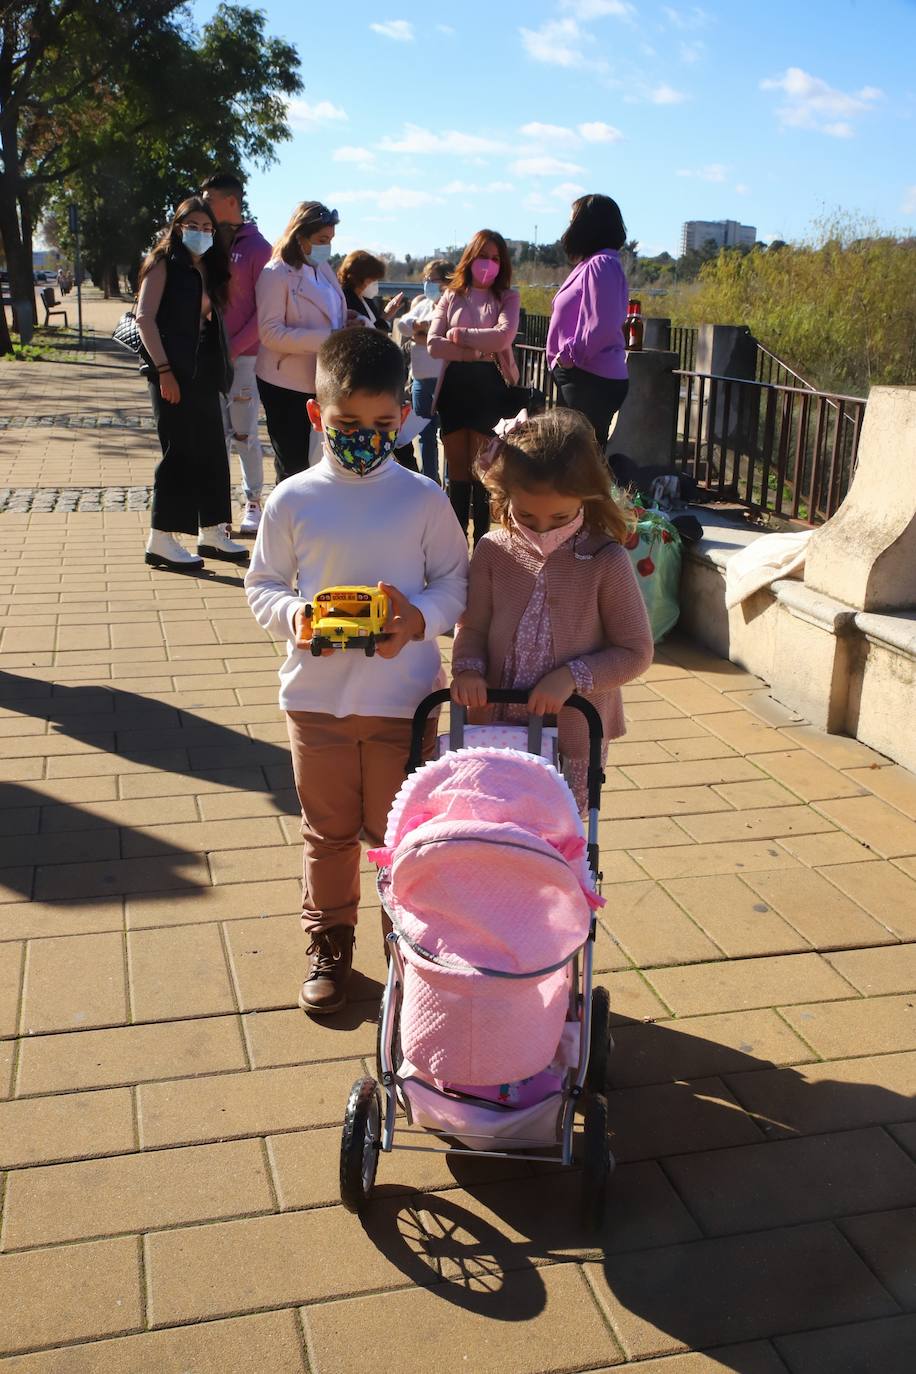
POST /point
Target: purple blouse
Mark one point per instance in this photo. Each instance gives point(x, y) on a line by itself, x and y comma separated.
point(586, 323)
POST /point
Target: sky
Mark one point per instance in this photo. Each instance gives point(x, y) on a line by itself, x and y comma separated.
point(422, 124)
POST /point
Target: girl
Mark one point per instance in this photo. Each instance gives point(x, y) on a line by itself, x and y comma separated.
point(424, 370)
point(585, 343)
point(472, 331)
point(184, 284)
point(359, 275)
point(553, 604)
point(300, 304)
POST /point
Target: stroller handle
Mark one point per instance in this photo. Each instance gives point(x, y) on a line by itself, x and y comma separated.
point(509, 697)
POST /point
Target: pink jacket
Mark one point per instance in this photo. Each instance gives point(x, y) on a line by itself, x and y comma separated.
point(298, 308)
point(488, 325)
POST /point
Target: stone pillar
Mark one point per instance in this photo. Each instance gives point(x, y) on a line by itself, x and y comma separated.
point(643, 429)
point(866, 555)
point(657, 332)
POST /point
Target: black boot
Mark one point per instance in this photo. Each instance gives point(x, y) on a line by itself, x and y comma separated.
point(481, 506)
point(459, 493)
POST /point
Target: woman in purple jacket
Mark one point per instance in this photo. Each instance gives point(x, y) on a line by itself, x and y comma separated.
point(585, 345)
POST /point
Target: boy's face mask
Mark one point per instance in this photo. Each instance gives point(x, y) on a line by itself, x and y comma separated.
point(361, 451)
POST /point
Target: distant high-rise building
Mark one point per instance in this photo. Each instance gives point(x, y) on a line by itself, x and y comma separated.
point(725, 233)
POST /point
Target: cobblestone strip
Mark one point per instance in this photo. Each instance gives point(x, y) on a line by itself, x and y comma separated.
point(116, 420)
point(45, 500)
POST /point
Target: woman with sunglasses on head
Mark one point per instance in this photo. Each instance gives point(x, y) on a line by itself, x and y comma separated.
point(300, 304)
point(184, 284)
point(472, 331)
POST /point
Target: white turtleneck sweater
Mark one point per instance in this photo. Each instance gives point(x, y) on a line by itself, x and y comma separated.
point(327, 527)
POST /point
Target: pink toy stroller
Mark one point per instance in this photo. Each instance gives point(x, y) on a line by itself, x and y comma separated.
point(490, 1032)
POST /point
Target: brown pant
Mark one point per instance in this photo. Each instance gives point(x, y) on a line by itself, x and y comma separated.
point(347, 771)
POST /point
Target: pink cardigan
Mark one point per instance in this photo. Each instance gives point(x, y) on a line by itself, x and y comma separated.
point(597, 614)
point(488, 324)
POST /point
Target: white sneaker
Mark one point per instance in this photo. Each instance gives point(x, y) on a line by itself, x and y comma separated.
point(164, 551)
point(214, 542)
point(251, 518)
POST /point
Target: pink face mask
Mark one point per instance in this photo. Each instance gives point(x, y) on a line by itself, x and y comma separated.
point(549, 541)
point(484, 271)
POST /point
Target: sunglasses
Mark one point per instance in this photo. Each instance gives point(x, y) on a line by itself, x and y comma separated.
point(324, 216)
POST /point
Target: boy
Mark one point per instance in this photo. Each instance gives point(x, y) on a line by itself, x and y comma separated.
point(356, 518)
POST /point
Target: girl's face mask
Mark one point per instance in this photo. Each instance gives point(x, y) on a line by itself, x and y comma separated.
point(548, 541)
point(361, 451)
point(197, 241)
point(432, 290)
point(370, 292)
point(484, 271)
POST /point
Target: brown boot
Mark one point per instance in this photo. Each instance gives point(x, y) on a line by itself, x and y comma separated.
point(325, 986)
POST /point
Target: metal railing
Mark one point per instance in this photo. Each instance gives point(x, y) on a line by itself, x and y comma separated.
point(533, 370)
point(775, 447)
point(774, 372)
point(683, 342)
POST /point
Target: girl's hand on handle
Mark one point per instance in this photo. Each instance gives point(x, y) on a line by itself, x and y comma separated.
point(469, 689)
point(303, 627)
point(548, 696)
point(405, 622)
point(169, 388)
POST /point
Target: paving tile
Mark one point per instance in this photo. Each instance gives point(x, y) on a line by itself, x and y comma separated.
point(905, 1136)
point(562, 1327)
point(701, 1046)
point(143, 812)
point(702, 772)
point(69, 1293)
point(74, 982)
point(878, 971)
point(695, 1295)
point(228, 902)
point(884, 892)
point(267, 1341)
point(11, 964)
point(259, 1102)
point(767, 823)
point(829, 847)
point(670, 1118)
point(608, 956)
point(669, 727)
point(77, 846)
point(635, 751)
point(288, 1037)
point(131, 1054)
point(178, 971)
point(27, 920)
point(632, 834)
point(877, 1347)
point(835, 1096)
point(617, 867)
point(240, 866)
point(40, 1130)
point(632, 999)
point(7, 1065)
point(761, 704)
point(693, 697)
point(744, 732)
point(162, 783)
point(741, 985)
point(887, 1243)
point(808, 776)
point(121, 875)
point(136, 1192)
point(663, 801)
point(268, 960)
point(652, 928)
point(820, 913)
point(878, 825)
point(872, 1025)
point(837, 750)
point(236, 805)
point(893, 784)
point(699, 860)
point(784, 1182)
point(202, 837)
point(734, 916)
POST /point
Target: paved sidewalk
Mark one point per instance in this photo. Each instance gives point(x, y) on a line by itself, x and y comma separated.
point(169, 1121)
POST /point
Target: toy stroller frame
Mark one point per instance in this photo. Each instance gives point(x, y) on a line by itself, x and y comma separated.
point(369, 1130)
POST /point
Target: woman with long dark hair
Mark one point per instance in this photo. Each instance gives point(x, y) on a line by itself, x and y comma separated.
point(585, 345)
point(184, 285)
point(472, 331)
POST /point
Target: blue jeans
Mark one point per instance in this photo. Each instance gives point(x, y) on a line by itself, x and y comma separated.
point(421, 396)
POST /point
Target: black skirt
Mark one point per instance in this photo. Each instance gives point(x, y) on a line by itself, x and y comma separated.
point(473, 396)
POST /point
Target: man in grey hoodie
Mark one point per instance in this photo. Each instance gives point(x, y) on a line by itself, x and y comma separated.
point(248, 251)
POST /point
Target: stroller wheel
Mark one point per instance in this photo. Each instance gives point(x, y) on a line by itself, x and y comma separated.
point(600, 1042)
point(359, 1145)
point(597, 1161)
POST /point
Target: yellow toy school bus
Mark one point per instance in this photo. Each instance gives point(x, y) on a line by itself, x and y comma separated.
point(347, 618)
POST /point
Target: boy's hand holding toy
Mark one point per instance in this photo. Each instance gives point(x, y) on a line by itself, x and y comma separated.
point(405, 623)
point(303, 627)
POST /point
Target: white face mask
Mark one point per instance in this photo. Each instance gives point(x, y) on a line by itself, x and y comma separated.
point(370, 292)
point(197, 241)
point(318, 253)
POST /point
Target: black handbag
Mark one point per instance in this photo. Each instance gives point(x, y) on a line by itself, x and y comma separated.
point(126, 332)
point(518, 398)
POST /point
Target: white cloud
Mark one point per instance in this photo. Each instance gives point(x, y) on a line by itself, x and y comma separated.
point(415, 139)
point(351, 154)
point(535, 201)
point(741, 189)
point(713, 171)
point(694, 18)
point(561, 43)
point(389, 198)
point(666, 95)
point(810, 103)
point(909, 201)
point(598, 132)
point(549, 133)
point(401, 30)
point(545, 167)
point(691, 52)
point(472, 188)
point(599, 9)
point(568, 190)
point(303, 115)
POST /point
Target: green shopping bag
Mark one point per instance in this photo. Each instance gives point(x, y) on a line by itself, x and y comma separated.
point(655, 551)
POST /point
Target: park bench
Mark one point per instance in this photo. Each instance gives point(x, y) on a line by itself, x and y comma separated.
point(49, 301)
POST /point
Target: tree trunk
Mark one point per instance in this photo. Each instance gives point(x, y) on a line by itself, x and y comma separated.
point(111, 281)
